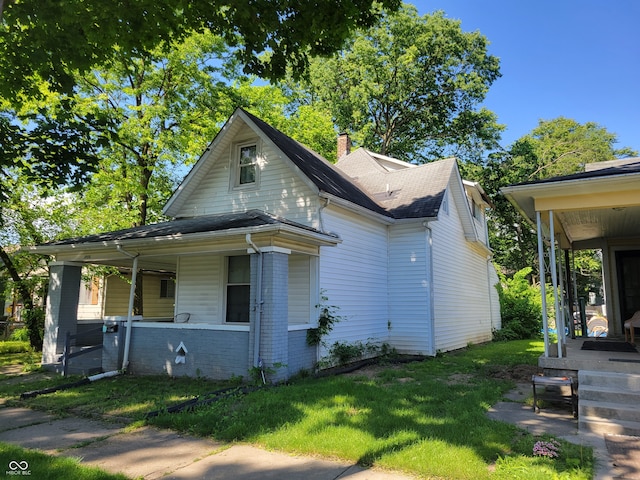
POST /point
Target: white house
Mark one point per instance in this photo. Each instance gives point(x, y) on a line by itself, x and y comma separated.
point(263, 231)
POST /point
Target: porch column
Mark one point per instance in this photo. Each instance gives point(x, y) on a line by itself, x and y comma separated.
point(61, 314)
point(542, 268)
point(272, 316)
point(554, 283)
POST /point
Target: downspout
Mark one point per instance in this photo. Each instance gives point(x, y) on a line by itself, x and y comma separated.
point(432, 333)
point(327, 201)
point(490, 288)
point(132, 293)
point(258, 306)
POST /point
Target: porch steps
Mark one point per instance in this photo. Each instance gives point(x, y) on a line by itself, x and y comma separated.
point(609, 402)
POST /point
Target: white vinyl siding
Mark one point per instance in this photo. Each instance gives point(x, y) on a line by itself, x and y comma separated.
point(154, 305)
point(409, 289)
point(199, 292)
point(117, 301)
point(117, 296)
point(353, 277)
point(280, 191)
point(462, 302)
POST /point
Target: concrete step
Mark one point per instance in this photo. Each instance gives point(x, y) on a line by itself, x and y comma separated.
point(603, 426)
point(622, 381)
point(611, 411)
point(608, 394)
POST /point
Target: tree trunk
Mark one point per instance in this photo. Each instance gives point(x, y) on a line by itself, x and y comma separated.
point(33, 317)
point(23, 290)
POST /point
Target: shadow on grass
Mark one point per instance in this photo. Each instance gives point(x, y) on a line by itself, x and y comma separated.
point(424, 426)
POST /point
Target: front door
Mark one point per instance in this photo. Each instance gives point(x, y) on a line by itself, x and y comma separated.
point(628, 267)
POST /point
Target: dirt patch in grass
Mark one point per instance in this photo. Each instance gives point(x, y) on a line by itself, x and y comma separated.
point(370, 371)
point(517, 373)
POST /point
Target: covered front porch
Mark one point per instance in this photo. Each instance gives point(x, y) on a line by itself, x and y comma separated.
point(242, 291)
point(598, 209)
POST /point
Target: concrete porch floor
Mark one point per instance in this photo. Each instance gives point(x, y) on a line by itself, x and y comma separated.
point(575, 359)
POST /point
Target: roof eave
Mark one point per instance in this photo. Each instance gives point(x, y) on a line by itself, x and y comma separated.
point(333, 199)
point(318, 238)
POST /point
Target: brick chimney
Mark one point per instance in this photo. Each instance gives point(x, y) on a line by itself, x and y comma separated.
point(344, 145)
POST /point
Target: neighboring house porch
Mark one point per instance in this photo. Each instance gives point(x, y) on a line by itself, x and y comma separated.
point(596, 209)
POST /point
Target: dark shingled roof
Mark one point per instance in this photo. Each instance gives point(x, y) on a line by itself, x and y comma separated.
point(623, 169)
point(415, 191)
point(185, 226)
point(327, 178)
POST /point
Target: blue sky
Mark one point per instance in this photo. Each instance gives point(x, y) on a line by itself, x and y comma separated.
point(574, 58)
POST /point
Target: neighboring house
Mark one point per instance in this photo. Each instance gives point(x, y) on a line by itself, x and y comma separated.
point(595, 209)
point(264, 230)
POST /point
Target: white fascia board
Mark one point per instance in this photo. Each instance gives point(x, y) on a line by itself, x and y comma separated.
point(185, 239)
point(314, 188)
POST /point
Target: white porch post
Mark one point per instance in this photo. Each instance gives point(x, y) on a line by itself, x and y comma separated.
point(541, 266)
point(554, 283)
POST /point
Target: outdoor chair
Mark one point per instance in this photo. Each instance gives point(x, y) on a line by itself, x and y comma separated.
point(630, 325)
point(181, 318)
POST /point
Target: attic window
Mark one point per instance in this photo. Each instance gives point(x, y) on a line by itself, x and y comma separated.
point(246, 163)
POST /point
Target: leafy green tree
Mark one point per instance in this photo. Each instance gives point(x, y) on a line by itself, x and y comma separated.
point(410, 88)
point(520, 307)
point(48, 144)
point(50, 40)
point(310, 125)
point(160, 111)
point(31, 215)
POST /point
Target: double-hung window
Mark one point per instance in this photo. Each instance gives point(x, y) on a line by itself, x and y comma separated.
point(238, 289)
point(247, 166)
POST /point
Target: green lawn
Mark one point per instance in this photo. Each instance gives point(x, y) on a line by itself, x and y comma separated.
point(16, 462)
point(427, 418)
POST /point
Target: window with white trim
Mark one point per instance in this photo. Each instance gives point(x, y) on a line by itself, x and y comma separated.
point(238, 289)
point(246, 165)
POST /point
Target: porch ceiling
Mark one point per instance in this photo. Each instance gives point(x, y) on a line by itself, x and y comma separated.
point(585, 208)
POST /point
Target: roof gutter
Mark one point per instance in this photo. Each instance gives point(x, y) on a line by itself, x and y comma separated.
point(356, 208)
point(187, 238)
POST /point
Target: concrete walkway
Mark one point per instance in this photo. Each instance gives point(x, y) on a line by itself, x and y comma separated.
point(151, 453)
point(617, 456)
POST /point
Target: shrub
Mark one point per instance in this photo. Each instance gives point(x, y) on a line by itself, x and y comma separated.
point(520, 307)
point(14, 346)
point(20, 335)
point(34, 320)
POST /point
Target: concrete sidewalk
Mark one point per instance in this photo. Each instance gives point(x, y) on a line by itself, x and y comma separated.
point(616, 456)
point(151, 453)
